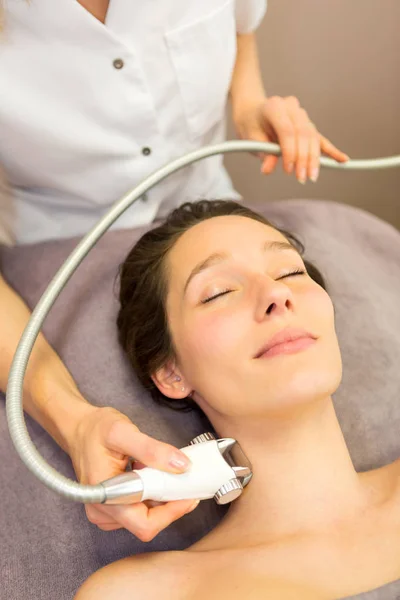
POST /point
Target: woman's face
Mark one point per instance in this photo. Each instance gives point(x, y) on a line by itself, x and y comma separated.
point(232, 286)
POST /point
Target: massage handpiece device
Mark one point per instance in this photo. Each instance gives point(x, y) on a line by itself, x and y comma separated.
point(212, 474)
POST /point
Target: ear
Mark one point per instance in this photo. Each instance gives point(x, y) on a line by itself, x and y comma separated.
point(170, 382)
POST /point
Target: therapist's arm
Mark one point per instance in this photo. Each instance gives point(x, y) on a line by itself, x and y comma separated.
point(246, 86)
point(50, 395)
point(99, 440)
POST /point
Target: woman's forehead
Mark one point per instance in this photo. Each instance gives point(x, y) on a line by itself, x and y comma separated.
point(220, 235)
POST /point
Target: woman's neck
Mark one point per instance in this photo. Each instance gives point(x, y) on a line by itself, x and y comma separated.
point(303, 482)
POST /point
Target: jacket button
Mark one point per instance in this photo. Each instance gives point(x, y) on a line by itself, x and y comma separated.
point(118, 63)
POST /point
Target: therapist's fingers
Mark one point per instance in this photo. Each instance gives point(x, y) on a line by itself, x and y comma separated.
point(143, 522)
point(277, 116)
point(144, 519)
point(314, 155)
point(154, 520)
point(97, 515)
point(328, 148)
point(269, 163)
point(261, 133)
point(307, 142)
point(303, 140)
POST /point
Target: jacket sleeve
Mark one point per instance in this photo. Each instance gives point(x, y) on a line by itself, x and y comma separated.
point(249, 14)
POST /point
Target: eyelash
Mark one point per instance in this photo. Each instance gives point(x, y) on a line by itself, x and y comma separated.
point(291, 274)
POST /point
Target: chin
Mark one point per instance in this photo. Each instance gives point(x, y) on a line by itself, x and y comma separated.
point(302, 387)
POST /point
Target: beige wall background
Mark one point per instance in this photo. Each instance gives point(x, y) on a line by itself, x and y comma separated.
point(341, 58)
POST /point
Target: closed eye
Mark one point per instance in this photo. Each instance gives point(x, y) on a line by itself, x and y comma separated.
point(227, 291)
point(215, 296)
point(293, 273)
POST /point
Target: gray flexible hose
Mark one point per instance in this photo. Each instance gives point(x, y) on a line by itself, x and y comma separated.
point(15, 415)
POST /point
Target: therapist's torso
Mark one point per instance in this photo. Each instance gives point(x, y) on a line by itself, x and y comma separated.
point(89, 109)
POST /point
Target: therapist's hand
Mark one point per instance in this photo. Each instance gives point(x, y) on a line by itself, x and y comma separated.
point(285, 122)
point(104, 441)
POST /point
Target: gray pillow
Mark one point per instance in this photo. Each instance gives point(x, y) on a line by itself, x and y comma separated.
point(49, 543)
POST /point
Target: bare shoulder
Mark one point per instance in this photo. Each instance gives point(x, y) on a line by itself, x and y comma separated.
point(179, 576)
point(151, 576)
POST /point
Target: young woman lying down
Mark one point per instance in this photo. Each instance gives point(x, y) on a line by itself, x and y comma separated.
point(219, 308)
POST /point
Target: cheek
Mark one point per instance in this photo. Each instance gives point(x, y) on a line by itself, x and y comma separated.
point(212, 338)
point(320, 308)
point(323, 319)
point(320, 317)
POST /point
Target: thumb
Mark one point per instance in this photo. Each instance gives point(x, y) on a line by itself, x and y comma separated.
point(125, 437)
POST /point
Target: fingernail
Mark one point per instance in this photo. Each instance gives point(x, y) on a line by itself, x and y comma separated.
point(302, 176)
point(179, 461)
point(290, 167)
point(193, 506)
point(314, 174)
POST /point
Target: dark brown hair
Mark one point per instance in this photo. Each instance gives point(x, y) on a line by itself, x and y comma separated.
point(142, 321)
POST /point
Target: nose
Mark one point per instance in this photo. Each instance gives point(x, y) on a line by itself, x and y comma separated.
point(274, 298)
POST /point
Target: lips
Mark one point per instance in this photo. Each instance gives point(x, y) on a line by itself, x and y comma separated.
point(285, 336)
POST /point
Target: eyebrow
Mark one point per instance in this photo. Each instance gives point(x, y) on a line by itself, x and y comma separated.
point(219, 257)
